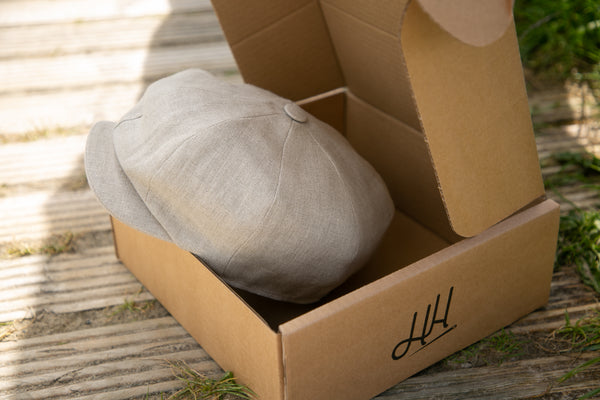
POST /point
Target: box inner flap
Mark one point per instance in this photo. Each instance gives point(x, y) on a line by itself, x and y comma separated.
point(476, 120)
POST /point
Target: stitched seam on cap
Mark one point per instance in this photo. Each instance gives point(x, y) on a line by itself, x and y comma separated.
point(190, 138)
point(337, 171)
point(264, 217)
point(133, 118)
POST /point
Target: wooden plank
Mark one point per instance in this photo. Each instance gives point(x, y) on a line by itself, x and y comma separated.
point(512, 380)
point(119, 66)
point(94, 351)
point(42, 160)
point(72, 301)
point(89, 349)
point(23, 267)
point(99, 362)
point(60, 11)
point(39, 151)
point(567, 111)
point(76, 108)
point(47, 341)
point(124, 367)
point(549, 321)
point(568, 199)
point(66, 283)
point(39, 215)
point(569, 145)
point(31, 291)
point(570, 103)
point(545, 314)
point(554, 133)
point(31, 284)
point(128, 33)
point(104, 388)
point(569, 138)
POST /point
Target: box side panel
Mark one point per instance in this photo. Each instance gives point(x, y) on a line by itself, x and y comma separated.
point(223, 325)
point(371, 58)
point(283, 47)
point(400, 155)
point(363, 343)
point(473, 106)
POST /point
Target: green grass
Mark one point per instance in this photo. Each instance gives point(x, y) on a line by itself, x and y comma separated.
point(58, 244)
point(575, 167)
point(6, 328)
point(198, 386)
point(560, 38)
point(55, 244)
point(579, 232)
point(583, 335)
point(133, 307)
point(127, 306)
point(495, 349)
point(506, 343)
point(579, 245)
point(42, 133)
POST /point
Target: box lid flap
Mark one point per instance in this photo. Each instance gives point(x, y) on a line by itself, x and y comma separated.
point(475, 116)
point(468, 101)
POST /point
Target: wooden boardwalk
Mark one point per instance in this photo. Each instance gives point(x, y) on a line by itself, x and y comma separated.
point(67, 63)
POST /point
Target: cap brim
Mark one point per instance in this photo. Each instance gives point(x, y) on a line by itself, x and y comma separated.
point(112, 187)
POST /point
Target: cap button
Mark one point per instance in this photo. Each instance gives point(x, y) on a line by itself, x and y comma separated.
point(295, 112)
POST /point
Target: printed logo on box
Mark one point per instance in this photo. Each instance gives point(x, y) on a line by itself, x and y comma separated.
point(431, 331)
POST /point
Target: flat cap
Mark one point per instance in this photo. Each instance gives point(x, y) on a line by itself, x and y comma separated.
point(273, 200)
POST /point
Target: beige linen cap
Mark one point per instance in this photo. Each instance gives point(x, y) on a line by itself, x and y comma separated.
point(273, 200)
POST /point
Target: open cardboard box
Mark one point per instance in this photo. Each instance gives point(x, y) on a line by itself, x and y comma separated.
point(446, 123)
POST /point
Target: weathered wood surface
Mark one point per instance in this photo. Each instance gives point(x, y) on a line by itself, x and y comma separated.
point(67, 283)
point(67, 63)
point(113, 362)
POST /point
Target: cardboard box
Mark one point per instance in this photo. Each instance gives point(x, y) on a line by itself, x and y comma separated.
point(447, 125)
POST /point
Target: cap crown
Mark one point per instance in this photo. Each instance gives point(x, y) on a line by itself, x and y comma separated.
point(272, 199)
